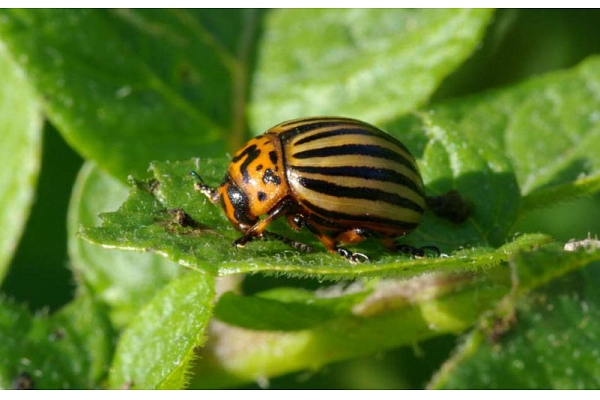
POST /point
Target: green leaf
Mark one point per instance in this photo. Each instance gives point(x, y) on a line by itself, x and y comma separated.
point(90, 338)
point(552, 341)
point(124, 281)
point(561, 115)
point(21, 127)
point(156, 349)
point(415, 310)
point(562, 192)
point(116, 101)
point(71, 349)
point(482, 146)
point(547, 129)
point(282, 309)
point(374, 64)
point(443, 304)
point(474, 166)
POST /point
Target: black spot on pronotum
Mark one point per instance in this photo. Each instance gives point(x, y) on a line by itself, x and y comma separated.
point(270, 177)
point(262, 196)
point(259, 167)
point(250, 153)
point(273, 157)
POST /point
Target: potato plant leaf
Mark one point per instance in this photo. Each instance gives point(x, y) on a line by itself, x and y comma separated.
point(70, 349)
point(157, 348)
point(122, 280)
point(21, 131)
point(249, 349)
point(126, 87)
point(550, 340)
point(375, 64)
point(287, 309)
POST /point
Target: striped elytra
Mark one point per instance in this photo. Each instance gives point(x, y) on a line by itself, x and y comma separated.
point(341, 178)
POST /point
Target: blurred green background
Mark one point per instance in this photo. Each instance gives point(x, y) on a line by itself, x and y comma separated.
point(519, 44)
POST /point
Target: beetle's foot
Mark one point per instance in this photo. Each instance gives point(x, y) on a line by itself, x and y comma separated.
point(352, 257)
point(243, 240)
point(417, 251)
point(292, 243)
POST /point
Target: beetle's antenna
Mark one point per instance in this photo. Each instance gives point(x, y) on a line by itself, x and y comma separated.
point(209, 192)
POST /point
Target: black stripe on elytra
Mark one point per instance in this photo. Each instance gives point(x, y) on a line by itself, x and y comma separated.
point(366, 130)
point(307, 127)
point(251, 153)
point(310, 120)
point(363, 193)
point(371, 173)
point(367, 150)
point(334, 132)
point(340, 216)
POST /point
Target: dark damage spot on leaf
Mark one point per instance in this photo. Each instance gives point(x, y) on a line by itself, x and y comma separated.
point(181, 219)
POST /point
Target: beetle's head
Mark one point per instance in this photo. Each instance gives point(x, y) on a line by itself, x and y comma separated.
point(236, 205)
point(255, 182)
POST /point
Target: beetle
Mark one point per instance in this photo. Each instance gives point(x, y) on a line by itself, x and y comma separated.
point(343, 179)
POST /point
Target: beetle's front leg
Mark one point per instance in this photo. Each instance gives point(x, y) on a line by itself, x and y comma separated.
point(292, 243)
point(266, 235)
point(258, 230)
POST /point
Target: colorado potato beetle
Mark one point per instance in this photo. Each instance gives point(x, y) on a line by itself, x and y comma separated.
point(341, 178)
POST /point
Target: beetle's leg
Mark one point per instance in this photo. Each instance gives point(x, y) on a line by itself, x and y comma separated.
point(266, 235)
point(330, 244)
point(209, 192)
point(355, 235)
point(416, 251)
point(258, 231)
point(408, 249)
point(292, 243)
point(351, 256)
